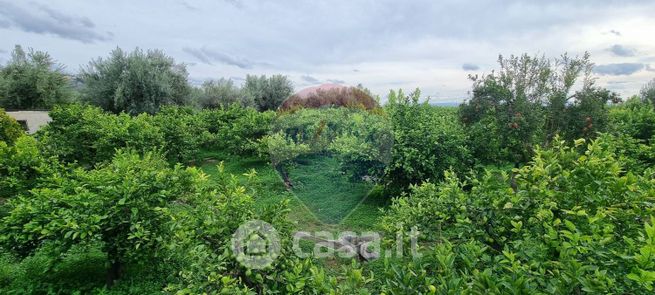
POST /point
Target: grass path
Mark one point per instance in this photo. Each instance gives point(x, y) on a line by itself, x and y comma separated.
point(322, 198)
point(328, 193)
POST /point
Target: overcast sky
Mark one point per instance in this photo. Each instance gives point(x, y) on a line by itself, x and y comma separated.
point(381, 44)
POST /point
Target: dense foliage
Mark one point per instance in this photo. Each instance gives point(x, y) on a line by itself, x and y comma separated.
point(135, 82)
point(267, 93)
point(88, 135)
point(220, 93)
point(32, 80)
point(122, 205)
point(115, 199)
point(427, 142)
point(24, 166)
point(633, 126)
point(10, 130)
point(572, 222)
point(528, 102)
point(235, 130)
point(647, 92)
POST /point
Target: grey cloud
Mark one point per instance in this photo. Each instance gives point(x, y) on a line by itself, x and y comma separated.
point(650, 68)
point(336, 81)
point(235, 3)
point(310, 79)
point(44, 20)
point(188, 6)
point(470, 67)
point(617, 82)
point(356, 70)
point(619, 69)
point(615, 32)
point(209, 56)
point(66, 19)
point(620, 50)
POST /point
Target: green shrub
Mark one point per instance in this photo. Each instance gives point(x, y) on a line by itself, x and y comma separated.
point(364, 146)
point(10, 130)
point(23, 167)
point(88, 136)
point(633, 125)
point(528, 102)
point(633, 118)
point(121, 205)
point(235, 130)
point(427, 142)
point(570, 222)
point(182, 132)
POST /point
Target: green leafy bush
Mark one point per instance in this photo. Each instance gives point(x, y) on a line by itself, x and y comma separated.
point(10, 130)
point(427, 142)
point(282, 150)
point(364, 146)
point(23, 166)
point(182, 132)
point(236, 130)
point(633, 126)
point(633, 118)
point(528, 102)
point(570, 222)
point(121, 204)
point(88, 136)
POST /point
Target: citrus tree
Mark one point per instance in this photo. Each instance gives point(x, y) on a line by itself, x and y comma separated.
point(573, 222)
point(122, 205)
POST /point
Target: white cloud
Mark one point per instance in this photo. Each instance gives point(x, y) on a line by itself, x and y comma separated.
point(382, 44)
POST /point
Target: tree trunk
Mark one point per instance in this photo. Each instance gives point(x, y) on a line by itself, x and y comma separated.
point(285, 176)
point(115, 269)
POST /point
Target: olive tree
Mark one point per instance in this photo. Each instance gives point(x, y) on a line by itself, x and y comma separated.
point(220, 93)
point(33, 80)
point(648, 92)
point(135, 82)
point(267, 93)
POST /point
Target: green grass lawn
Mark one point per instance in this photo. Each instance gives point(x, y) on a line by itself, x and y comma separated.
point(320, 184)
point(322, 199)
point(267, 185)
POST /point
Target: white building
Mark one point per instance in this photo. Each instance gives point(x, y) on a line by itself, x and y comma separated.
point(31, 120)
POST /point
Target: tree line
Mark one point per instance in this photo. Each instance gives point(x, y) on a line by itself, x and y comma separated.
point(131, 82)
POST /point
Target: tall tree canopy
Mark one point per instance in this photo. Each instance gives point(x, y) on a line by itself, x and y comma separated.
point(135, 82)
point(529, 101)
point(220, 93)
point(648, 92)
point(32, 80)
point(267, 93)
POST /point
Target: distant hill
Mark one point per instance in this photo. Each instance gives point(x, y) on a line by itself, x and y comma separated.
point(445, 103)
